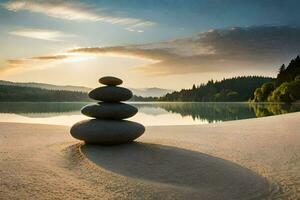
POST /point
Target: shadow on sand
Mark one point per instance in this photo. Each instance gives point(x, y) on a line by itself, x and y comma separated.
point(175, 166)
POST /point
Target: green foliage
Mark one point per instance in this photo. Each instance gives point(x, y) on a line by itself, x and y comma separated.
point(233, 89)
point(289, 73)
point(140, 98)
point(226, 95)
point(286, 87)
point(262, 93)
point(280, 94)
point(9, 93)
point(267, 88)
point(286, 92)
point(258, 95)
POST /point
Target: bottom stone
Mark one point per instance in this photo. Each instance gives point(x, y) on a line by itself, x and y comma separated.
point(96, 131)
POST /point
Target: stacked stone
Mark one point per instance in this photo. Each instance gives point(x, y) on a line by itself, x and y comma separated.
point(109, 126)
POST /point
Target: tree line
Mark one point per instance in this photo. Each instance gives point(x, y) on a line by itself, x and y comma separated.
point(235, 89)
point(13, 93)
point(10, 93)
point(285, 88)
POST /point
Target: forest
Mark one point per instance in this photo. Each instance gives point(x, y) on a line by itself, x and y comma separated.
point(235, 89)
point(9, 93)
point(285, 88)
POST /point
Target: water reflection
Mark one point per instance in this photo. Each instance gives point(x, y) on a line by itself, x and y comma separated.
point(211, 112)
point(263, 110)
point(216, 112)
point(68, 113)
point(56, 108)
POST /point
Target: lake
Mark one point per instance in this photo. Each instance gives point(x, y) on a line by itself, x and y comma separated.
point(158, 113)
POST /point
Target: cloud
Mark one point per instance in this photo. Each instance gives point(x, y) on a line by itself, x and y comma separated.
point(42, 61)
point(15, 62)
point(132, 51)
point(75, 11)
point(247, 49)
point(42, 34)
point(32, 62)
point(218, 50)
point(12, 64)
point(51, 57)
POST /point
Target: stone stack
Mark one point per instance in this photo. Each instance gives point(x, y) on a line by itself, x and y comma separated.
point(109, 126)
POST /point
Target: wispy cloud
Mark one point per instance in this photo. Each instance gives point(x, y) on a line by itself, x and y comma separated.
point(220, 50)
point(13, 64)
point(28, 63)
point(76, 11)
point(42, 34)
point(50, 57)
point(217, 50)
point(41, 61)
point(132, 51)
point(15, 61)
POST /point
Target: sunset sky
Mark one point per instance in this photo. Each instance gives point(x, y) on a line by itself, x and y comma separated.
point(167, 43)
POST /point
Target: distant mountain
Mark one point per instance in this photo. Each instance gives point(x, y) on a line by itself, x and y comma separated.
point(150, 92)
point(144, 92)
point(47, 86)
point(13, 93)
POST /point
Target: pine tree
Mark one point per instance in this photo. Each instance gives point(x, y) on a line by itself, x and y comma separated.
point(282, 69)
point(194, 87)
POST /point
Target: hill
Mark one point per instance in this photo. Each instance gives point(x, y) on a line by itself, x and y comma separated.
point(14, 92)
point(143, 92)
point(233, 89)
point(46, 86)
point(10, 93)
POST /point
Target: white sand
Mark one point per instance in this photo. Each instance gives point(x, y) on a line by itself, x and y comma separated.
point(246, 159)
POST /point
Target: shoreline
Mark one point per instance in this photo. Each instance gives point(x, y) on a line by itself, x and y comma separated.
point(259, 156)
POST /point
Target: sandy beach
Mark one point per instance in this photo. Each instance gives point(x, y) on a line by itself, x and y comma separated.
point(245, 159)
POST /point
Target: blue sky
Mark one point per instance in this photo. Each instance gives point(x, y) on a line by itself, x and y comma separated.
point(149, 43)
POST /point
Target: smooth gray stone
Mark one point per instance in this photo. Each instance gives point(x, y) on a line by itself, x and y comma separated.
point(96, 131)
point(110, 94)
point(110, 80)
point(104, 110)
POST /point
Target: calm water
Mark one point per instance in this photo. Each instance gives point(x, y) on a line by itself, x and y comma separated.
point(149, 113)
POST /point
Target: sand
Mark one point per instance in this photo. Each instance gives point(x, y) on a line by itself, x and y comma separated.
point(245, 159)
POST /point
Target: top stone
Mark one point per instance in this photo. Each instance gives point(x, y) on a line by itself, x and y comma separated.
point(110, 80)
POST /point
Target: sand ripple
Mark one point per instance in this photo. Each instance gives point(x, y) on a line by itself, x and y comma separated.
point(248, 159)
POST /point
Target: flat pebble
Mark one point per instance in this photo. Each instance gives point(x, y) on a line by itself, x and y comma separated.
point(104, 110)
point(105, 132)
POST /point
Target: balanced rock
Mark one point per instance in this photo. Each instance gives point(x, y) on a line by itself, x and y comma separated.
point(96, 131)
point(105, 110)
point(110, 80)
point(109, 126)
point(110, 94)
